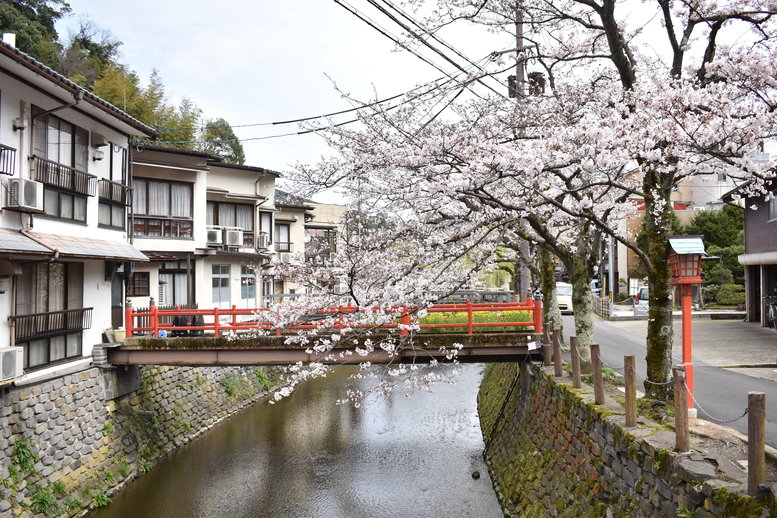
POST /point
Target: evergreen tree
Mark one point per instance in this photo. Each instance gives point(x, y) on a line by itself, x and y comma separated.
point(218, 139)
point(33, 22)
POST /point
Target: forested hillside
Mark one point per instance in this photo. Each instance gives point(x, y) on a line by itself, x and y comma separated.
point(90, 58)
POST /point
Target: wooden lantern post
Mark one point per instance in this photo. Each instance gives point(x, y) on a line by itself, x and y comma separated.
point(685, 261)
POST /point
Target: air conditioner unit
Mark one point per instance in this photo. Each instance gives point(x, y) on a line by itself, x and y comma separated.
point(25, 195)
point(215, 236)
point(11, 359)
point(233, 237)
point(263, 241)
point(285, 257)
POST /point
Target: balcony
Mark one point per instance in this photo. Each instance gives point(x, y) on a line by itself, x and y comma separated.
point(7, 159)
point(113, 191)
point(53, 174)
point(56, 323)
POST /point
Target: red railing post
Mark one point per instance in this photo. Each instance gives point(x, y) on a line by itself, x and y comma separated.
point(405, 321)
point(216, 327)
point(153, 321)
point(469, 317)
point(538, 317)
point(128, 322)
point(234, 317)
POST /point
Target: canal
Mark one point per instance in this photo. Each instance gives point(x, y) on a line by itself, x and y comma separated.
point(305, 456)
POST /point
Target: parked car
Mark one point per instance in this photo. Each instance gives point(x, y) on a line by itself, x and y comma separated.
point(641, 301)
point(564, 297)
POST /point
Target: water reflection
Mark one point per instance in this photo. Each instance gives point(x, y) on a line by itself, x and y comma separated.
point(307, 457)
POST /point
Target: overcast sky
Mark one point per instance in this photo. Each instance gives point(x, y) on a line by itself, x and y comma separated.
point(254, 61)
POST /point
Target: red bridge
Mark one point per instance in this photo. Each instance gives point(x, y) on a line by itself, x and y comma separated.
point(485, 332)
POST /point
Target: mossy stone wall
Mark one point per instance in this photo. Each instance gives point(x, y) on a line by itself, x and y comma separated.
point(553, 452)
point(68, 444)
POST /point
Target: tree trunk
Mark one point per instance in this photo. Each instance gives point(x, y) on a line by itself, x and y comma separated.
point(550, 313)
point(580, 276)
point(658, 211)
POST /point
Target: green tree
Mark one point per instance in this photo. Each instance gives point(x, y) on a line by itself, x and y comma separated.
point(218, 139)
point(177, 125)
point(89, 53)
point(33, 22)
point(722, 228)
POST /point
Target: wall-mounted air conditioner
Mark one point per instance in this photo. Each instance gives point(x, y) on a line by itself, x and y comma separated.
point(24, 195)
point(11, 359)
point(233, 237)
point(263, 242)
point(285, 257)
point(215, 236)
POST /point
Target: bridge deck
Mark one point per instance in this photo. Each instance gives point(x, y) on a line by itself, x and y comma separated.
point(272, 350)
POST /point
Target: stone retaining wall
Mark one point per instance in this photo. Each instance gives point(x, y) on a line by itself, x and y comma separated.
point(71, 442)
point(554, 452)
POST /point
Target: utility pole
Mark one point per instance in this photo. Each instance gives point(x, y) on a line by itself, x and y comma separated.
point(518, 89)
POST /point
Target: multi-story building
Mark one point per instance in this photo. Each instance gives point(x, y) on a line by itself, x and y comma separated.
point(206, 226)
point(64, 249)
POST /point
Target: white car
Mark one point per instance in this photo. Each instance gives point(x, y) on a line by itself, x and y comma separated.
point(564, 297)
point(641, 301)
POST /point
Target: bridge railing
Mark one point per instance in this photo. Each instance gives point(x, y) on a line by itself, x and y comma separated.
point(159, 322)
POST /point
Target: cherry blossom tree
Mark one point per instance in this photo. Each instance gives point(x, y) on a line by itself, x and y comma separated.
point(640, 96)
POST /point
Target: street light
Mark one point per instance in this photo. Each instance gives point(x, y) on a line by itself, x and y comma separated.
point(685, 261)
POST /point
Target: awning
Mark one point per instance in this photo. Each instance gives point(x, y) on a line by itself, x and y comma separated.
point(684, 245)
point(13, 242)
point(758, 258)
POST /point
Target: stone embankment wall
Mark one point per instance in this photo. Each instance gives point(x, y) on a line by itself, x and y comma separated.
point(71, 442)
point(554, 452)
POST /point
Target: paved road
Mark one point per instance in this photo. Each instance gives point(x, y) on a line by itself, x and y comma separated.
point(720, 392)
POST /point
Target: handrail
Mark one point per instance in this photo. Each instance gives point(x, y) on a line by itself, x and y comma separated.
point(7, 159)
point(337, 315)
point(53, 323)
point(113, 191)
point(62, 176)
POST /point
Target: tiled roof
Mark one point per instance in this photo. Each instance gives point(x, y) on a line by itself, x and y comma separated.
point(286, 199)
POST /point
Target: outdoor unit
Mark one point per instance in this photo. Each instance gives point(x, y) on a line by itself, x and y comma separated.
point(24, 195)
point(11, 359)
point(215, 236)
point(263, 241)
point(285, 257)
point(233, 237)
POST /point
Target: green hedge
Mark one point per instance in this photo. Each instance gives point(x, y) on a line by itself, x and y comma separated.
point(731, 294)
point(460, 317)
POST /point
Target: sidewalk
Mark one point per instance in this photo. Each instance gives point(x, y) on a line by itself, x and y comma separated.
point(745, 346)
point(627, 313)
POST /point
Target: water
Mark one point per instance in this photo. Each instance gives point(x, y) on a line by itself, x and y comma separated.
point(307, 457)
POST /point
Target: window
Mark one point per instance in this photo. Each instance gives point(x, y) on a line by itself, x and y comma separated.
point(53, 293)
point(162, 209)
point(321, 243)
point(282, 236)
point(267, 286)
point(247, 283)
point(64, 205)
point(771, 208)
point(233, 215)
point(265, 223)
point(173, 284)
point(59, 141)
point(113, 191)
point(139, 285)
point(220, 284)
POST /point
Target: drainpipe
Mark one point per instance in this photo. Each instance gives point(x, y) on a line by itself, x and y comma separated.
point(26, 233)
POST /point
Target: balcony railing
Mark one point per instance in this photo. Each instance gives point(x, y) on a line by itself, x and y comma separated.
point(63, 177)
point(43, 325)
point(113, 191)
point(7, 159)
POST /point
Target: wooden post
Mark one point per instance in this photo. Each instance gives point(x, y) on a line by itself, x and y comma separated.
point(596, 363)
point(128, 322)
point(756, 441)
point(216, 323)
point(153, 321)
point(404, 319)
point(575, 357)
point(681, 440)
point(630, 377)
point(557, 371)
point(537, 317)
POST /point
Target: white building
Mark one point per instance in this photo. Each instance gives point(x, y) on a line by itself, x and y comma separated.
point(64, 156)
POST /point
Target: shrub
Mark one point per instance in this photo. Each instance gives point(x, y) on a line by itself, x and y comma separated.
point(480, 316)
point(621, 296)
point(731, 294)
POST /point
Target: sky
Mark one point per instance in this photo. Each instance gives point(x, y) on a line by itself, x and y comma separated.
point(261, 61)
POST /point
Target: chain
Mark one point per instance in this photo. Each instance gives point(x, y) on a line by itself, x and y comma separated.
point(710, 416)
